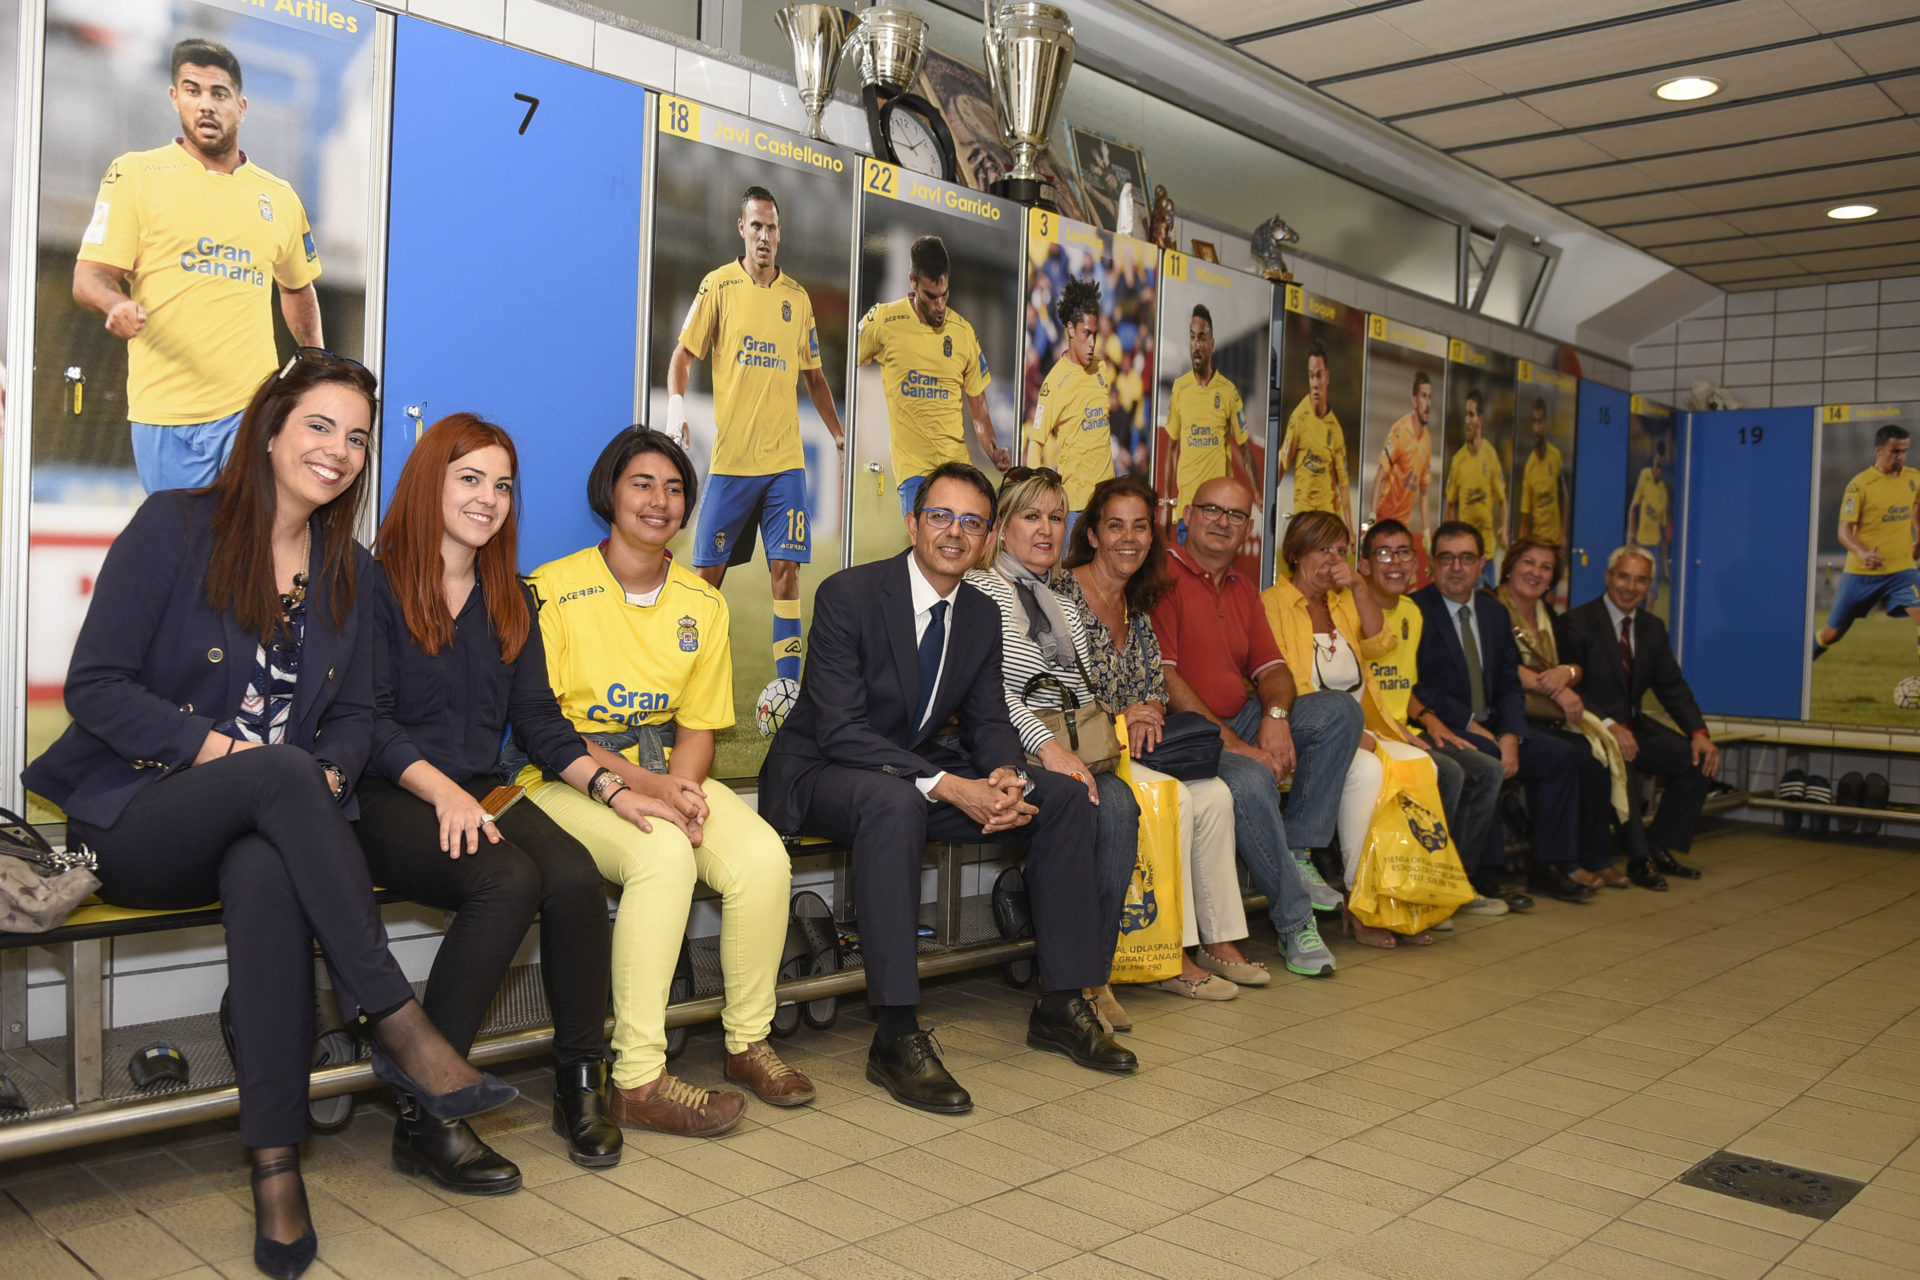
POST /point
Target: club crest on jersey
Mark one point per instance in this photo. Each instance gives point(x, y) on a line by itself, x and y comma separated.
point(266, 209)
point(720, 540)
point(689, 632)
point(1406, 629)
point(786, 312)
point(946, 346)
point(1216, 399)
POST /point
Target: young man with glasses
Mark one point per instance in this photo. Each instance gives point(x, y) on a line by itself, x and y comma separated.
point(1071, 420)
point(1469, 681)
point(1469, 778)
point(1221, 662)
point(898, 648)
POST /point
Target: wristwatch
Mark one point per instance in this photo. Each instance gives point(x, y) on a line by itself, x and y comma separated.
point(1026, 783)
point(1276, 713)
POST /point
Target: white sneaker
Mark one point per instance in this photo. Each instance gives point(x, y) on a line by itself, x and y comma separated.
point(1482, 906)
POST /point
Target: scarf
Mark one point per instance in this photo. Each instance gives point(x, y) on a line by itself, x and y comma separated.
point(1046, 621)
point(1540, 651)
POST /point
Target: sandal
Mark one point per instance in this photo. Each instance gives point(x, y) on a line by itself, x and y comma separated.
point(1366, 935)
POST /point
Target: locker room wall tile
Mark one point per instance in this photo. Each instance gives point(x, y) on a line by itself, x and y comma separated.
point(1899, 340)
point(632, 56)
point(1899, 364)
point(1651, 382)
point(776, 103)
point(1862, 392)
point(710, 81)
point(1854, 293)
point(1799, 347)
point(1742, 328)
point(1801, 299)
point(1796, 371)
point(1746, 351)
point(1371, 298)
point(1758, 302)
point(846, 124)
point(1899, 314)
point(1755, 397)
point(1792, 322)
point(1850, 342)
point(1796, 393)
point(1701, 353)
point(1900, 289)
point(482, 17)
point(1848, 368)
point(554, 32)
point(1758, 374)
point(1892, 389)
point(1711, 329)
point(1852, 318)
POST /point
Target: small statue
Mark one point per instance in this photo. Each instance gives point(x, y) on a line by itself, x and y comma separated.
point(1267, 239)
point(1160, 222)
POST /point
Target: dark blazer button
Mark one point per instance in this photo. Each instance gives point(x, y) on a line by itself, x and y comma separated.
point(214, 655)
point(329, 673)
point(188, 708)
point(316, 735)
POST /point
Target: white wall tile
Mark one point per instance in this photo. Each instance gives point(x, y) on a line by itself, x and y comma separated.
point(1757, 302)
point(1900, 289)
point(1687, 375)
point(554, 32)
point(1711, 330)
point(777, 103)
point(1847, 368)
point(1660, 357)
point(176, 993)
point(846, 124)
point(1853, 294)
point(1758, 374)
point(1800, 299)
point(1651, 381)
point(1669, 334)
point(1899, 315)
point(1799, 347)
point(1746, 350)
point(1851, 342)
point(710, 81)
point(1796, 371)
point(1796, 393)
point(1371, 298)
point(482, 17)
point(1753, 397)
point(1700, 353)
point(1852, 318)
point(1311, 276)
point(1862, 392)
point(1892, 389)
point(1791, 322)
point(1899, 340)
point(1716, 306)
point(1750, 326)
point(173, 948)
point(1903, 364)
point(632, 56)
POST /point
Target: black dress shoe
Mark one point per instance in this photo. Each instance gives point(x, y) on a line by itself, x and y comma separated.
point(580, 1114)
point(1075, 1031)
point(909, 1068)
point(1517, 901)
point(1646, 877)
point(1664, 861)
point(449, 1152)
point(1554, 881)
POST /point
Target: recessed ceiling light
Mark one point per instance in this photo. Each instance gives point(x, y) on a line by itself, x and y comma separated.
point(1687, 88)
point(1848, 212)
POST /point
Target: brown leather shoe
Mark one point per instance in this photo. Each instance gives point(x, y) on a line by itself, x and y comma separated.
point(1614, 878)
point(1582, 876)
point(776, 1083)
point(671, 1105)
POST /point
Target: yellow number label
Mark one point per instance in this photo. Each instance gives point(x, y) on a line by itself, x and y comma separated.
point(1457, 351)
point(1045, 225)
point(1376, 326)
point(678, 116)
point(1296, 298)
point(1176, 265)
point(1524, 371)
point(1836, 413)
point(883, 179)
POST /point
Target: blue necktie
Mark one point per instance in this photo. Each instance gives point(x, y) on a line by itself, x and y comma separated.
point(931, 644)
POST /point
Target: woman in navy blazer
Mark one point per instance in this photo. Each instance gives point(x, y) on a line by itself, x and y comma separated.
point(221, 698)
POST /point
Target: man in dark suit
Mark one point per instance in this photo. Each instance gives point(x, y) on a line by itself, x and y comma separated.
point(1623, 652)
point(1469, 676)
point(897, 649)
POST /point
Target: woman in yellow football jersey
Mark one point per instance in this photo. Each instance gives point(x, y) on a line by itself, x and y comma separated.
point(638, 656)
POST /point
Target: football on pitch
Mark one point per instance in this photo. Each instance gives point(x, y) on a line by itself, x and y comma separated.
point(1906, 694)
point(776, 700)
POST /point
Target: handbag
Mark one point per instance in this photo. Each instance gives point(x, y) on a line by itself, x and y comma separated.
point(1409, 878)
point(1086, 728)
point(1151, 919)
point(1189, 749)
point(39, 888)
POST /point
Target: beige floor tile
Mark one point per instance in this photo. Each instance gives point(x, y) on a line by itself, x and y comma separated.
point(724, 1165)
point(375, 1254)
point(868, 1185)
point(1275, 1226)
point(947, 1178)
point(603, 1202)
point(612, 1258)
point(1494, 1227)
point(1172, 1261)
point(699, 1249)
point(212, 1226)
point(1407, 1247)
point(1597, 1259)
point(827, 1209)
point(539, 1225)
point(1084, 1232)
point(1345, 1183)
point(69, 1199)
point(670, 1186)
point(999, 1238)
point(460, 1242)
point(926, 1253)
point(766, 1229)
point(531, 1269)
point(1696, 1255)
point(1719, 1232)
point(128, 1249)
point(851, 1262)
point(1534, 1208)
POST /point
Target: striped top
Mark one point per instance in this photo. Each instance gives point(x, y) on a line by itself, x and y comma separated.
point(1020, 659)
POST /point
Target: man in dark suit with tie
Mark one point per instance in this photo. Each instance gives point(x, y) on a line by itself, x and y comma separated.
point(1469, 676)
point(1623, 652)
point(897, 649)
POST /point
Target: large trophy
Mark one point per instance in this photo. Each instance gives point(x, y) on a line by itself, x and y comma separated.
point(1029, 50)
point(818, 32)
point(892, 44)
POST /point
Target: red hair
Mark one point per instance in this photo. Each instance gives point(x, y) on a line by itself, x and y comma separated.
point(408, 545)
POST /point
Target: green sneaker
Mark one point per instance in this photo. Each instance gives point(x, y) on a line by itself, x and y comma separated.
point(1325, 896)
point(1306, 954)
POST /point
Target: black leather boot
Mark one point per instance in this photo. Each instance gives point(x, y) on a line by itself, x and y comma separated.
point(449, 1152)
point(580, 1114)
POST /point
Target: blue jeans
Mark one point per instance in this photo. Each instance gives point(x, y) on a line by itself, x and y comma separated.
point(1326, 732)
point(1260, 838)
point(1116, 842)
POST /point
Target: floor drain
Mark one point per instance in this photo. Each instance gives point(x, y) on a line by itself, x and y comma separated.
point(1801, 1191)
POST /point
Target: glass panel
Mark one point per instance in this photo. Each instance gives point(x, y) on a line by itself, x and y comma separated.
point(1510, 290)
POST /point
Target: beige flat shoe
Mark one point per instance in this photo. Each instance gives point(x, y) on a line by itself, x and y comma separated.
point(1241, 975)
point(1211, 987)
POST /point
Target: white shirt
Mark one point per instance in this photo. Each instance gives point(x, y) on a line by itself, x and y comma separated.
point(924, 596)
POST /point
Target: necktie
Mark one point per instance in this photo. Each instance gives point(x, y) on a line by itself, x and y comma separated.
point(931, 643)
point(1626, 652)
point(1476, 676)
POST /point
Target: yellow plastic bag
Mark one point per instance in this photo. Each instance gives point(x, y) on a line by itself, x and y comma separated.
point(1150, 928)
point(1410, 877)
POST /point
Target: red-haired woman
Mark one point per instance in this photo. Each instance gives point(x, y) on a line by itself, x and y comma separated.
point(222, 703)
point(456, 658)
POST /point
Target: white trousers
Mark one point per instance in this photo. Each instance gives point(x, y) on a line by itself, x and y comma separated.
point(1359, 793)
point(1211, 907)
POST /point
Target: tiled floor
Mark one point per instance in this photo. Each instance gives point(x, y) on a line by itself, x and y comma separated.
point(1515, 1101)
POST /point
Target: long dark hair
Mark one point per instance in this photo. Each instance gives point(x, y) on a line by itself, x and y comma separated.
point(240, 577)
point(1149, 582)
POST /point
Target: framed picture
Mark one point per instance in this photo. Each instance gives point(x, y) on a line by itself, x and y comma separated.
point(959, 91)
point(1106, 167)
point(1203, 250)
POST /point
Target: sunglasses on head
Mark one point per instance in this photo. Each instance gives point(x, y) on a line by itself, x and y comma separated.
point(319, 355)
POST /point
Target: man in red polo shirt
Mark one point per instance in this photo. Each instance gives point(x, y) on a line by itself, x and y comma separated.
point(1221, 661)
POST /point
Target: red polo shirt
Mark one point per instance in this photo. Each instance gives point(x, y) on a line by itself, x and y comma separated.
point(1217, 637)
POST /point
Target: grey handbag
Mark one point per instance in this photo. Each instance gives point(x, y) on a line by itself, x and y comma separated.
point(39, 888)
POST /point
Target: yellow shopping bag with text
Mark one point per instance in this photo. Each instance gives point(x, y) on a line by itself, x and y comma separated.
point(1149, 947)
point(1409, 878)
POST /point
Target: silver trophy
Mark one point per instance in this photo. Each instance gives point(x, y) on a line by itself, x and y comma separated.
point(1029, 50)
point(818, 33)
point(1268, 239)
point(892, 44)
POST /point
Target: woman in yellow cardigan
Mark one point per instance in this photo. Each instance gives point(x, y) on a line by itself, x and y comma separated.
point(1328, 632)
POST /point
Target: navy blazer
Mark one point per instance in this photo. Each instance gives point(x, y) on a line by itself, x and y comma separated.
point(1587, 638)
point(155, 668)
point(861, 685)
point(1441, 683)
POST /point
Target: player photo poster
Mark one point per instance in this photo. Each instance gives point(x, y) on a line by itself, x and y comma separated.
point(1215, 331)
point(1545, 405)
point(1478, 447)
point(916, 384)
point(1058, 406)
point(770, 474)
point(1866, 590)
point(193, 291)
point(1322, 380)
point(1656, 487)
point(959, 91)
point(1400, 454)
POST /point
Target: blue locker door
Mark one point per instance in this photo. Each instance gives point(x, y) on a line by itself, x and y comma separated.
point(514, 250)
point(1749, 491)
point(1599, 486)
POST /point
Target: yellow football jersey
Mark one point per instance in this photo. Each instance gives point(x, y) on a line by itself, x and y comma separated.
point(761, 339)
point(1880, 507)
point(1395, 671)
point(929, 374)
point(1651, 496)
point(1204, 419)
point(1409, 455)
point(201, 251)
point(613, 663)
point(1320, 466)
point(1073, 409)
point(1473, 486)
point(1540, 495)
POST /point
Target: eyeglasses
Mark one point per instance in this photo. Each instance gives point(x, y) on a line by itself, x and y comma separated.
point(1214, 511)
point(320, 354)
point(942, 518)
point(1388, 555)
point(1457, 559)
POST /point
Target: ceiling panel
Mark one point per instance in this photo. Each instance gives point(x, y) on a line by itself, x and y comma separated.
point(1829, 277)
point(1833, 186)
point(1904, 92)
point(1831, 146)
point(1839, 15)
point(1561, 152)
point(1881, 230)
point(1438, 23)
point(1471, 125)
point(1654, 206)
point(1750, 123)
point(1336, 48)
point(1225, 19)
point(1651, 235)
point(1805, 217)
point(1749, 75)
point(1589, 184)
point(1877, 55)
point(1414, 89)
